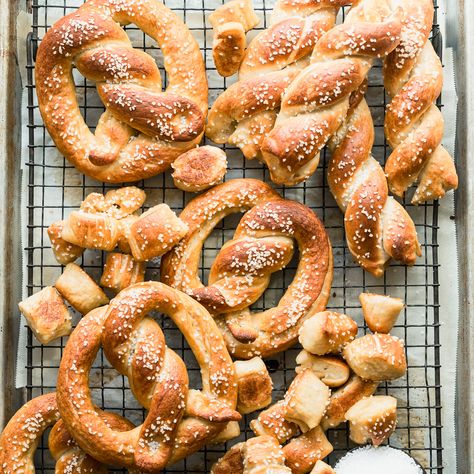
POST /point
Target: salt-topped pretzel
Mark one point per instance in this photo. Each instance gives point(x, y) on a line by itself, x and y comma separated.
point(414, 126)
point(317, 100)
point(143, 129)
point(246, 111)
point(179, 420)
point(23, 432)
point(262, 244)
point(377, 227)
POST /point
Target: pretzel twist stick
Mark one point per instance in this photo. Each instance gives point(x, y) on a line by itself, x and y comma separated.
point(317, 100)
point(414, 126)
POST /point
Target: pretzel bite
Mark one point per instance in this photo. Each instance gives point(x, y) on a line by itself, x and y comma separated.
point(155, 232)
point(327, 332)
point(254, 384)
point(306, 400)
point(322, 468)
point(64, 251)
point(263, 455)
point(380, 311)
point(332, 371)
point(376, 357)
point(47, 315)
point(80, 290)
point(199, 168)
point(120, 271)
point(372, 419)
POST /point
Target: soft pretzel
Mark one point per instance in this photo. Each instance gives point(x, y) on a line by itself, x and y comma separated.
point(230, 23)
point(143, 129)
point(377, 227)
point(179, 420)
point(23, 432)
point(262, 244)
point(414, 126)
point(317, 100)
point(246, 111)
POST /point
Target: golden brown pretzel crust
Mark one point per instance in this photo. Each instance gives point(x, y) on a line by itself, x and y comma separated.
point(179, 420)
point(414, 126)
point(262, 244)
point(378, 228)
point(143, 129)
point(317, 101)
point(246, 111)
point(23, 432)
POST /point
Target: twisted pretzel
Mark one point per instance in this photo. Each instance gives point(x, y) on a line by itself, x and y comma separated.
point(179, 420)
point(317, 101)
point(23, 432)
point(143, 129)
point(262, 244)
point(246, 111)
point(414, 126)
point(377, 226)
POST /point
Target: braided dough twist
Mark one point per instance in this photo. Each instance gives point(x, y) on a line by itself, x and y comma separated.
point(262, 244)
point(246, 111)
point(414, 126)
point(143, 129)
point(377, 226)
point(317, 101)
point(23, 432)
point(179, 420)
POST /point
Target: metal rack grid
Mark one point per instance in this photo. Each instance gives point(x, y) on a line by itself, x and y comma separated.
point(55, 187)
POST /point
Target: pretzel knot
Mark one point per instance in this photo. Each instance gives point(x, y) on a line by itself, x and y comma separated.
point(263, 243)
point(143, 129)
point(179, 420)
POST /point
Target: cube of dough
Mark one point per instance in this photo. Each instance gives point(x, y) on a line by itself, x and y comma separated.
point(263, 455)
point(322, 468)
point(327, 332)
point(273, 423)
point(377, 357)
point(47, 315)
point(333, 371)
point(80, 290)
point(120, 271)
point(380, 311)
point(306, 400)
point(155, 232)
point(254, 385)
point(64, 251)
point(231, 431)
point(372, 419)
point(304, 451)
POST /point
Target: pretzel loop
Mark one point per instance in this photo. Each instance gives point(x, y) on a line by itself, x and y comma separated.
point(179, 420)
point(143, 129)
point(262, 244)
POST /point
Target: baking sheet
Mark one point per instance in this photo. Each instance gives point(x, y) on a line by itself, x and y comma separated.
point(52, 188)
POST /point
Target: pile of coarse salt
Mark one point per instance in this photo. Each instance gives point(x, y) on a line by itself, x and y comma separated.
point(370, 460)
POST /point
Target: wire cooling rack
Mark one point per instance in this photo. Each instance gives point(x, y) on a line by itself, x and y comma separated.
point(55, 188)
